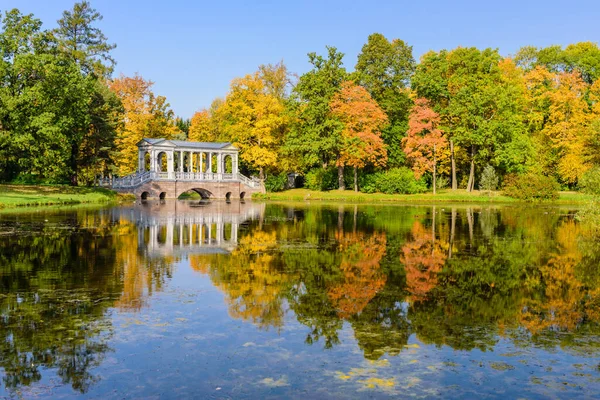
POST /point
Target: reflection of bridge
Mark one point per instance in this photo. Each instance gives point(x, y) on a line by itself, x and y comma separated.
point(177, 228)
point(168, 168)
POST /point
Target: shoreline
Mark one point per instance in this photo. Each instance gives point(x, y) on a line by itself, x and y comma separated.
point(443, 197)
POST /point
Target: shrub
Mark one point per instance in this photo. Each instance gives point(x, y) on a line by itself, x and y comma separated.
point(276, 183)
point(321, 179)
point(396, 180)
point(442, 182)
point(489, 179)
point(590, 182)
point(532, 187)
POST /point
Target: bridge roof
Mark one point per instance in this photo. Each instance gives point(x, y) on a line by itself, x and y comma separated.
point(183, 143)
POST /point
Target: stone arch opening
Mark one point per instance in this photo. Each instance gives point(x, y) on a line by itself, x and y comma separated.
point(228, 196)
point(242, 195)
point(162, 195)
point(161, 161)
point(144, 195)
point(193, 193)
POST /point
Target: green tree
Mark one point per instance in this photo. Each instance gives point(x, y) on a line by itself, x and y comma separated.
point(83, 42)
point(384, 68)
point(315, 134)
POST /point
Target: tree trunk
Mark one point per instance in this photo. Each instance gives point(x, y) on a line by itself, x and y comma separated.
point(434, 170)
point(454, 183)
point(341, 184)
point(355, 179)
point(471, 183)
point(74, 151)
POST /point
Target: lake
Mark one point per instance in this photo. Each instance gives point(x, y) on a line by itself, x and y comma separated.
point(253, 300)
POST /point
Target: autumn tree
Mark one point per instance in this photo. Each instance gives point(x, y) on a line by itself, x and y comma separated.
point(425, 143)
point(363, 122)
point(146, 116)
point(207, 125)
point(255, 121)
point(567, 124)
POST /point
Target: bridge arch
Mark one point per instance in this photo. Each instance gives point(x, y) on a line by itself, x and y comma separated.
point(204, 193)
point(144, 195)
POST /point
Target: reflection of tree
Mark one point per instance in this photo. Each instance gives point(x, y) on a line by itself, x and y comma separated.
point(423, 259)
point(567, 301)
point(250, 278)
point(58, 285)
point(363, 277)
point(141, 276)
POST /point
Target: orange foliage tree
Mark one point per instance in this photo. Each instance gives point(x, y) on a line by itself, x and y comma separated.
point(363, 277)
point(425, 142)
point(363, 121)
point(423, 259)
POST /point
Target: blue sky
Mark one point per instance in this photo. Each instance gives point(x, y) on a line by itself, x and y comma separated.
point(193, 49)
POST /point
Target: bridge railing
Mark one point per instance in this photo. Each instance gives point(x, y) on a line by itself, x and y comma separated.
point(137, 178)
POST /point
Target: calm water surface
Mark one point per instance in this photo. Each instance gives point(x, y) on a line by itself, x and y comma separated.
point(294, 300)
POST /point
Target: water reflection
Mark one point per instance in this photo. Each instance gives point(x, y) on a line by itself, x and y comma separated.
point(468, 278)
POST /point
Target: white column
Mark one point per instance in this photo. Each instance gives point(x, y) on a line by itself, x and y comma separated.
point(181, 161)
point(219, 163)
point(200, 162)
point(234, 164)
point(141, 159)
point(209, 161)
point(170, 164)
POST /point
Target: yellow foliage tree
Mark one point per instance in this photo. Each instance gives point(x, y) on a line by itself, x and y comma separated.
point(145, 116)
point(255, 121)
point(207, 125)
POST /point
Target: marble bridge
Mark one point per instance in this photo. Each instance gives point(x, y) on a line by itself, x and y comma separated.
point(169, 168)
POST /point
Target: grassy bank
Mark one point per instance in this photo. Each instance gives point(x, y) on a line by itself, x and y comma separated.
point(443, 196)
point(40, 195)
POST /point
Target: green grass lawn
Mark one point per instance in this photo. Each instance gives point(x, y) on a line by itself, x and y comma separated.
point(41, 195)
point(443, 196)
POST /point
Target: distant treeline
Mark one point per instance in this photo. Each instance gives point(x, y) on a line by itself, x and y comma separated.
point(450, 116)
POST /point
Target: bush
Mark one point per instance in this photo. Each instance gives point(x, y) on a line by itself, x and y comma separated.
point(489, 179)
point(321, 179)
point(396, 180)
point(442, 182)
point(590, 182)
point(532, 187)
point(276, 183)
